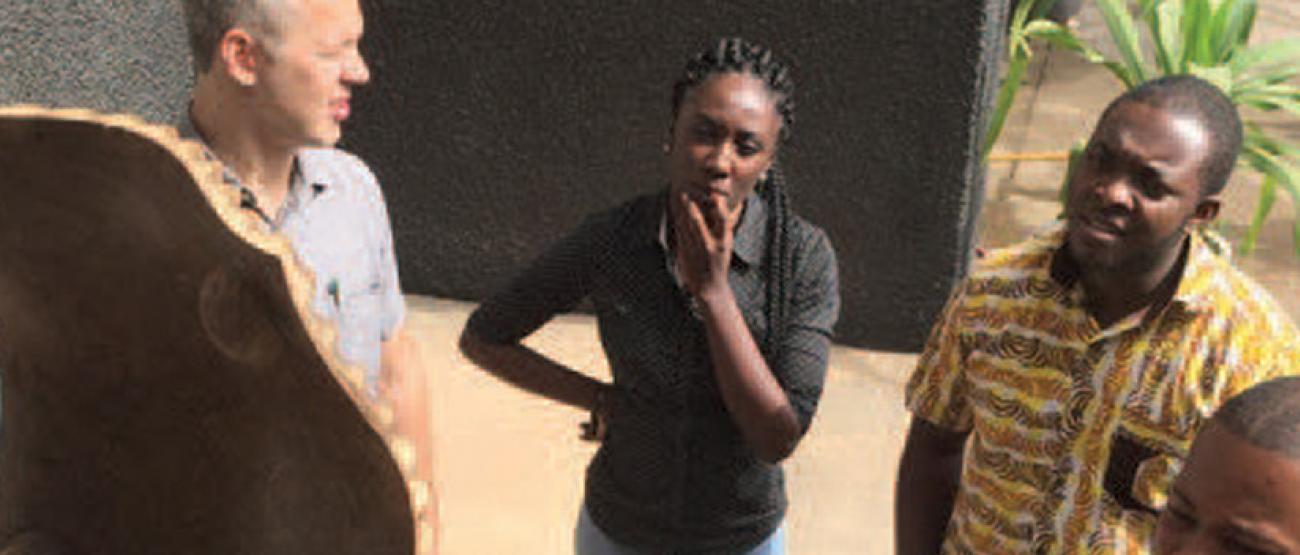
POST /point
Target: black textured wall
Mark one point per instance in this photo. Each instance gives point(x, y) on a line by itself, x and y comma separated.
point(496, 125)
point(109, 55)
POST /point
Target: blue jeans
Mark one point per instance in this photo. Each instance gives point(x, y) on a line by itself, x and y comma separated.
point(589, 539)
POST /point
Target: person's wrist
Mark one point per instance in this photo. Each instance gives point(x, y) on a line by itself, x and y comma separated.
point(711, 295)
point(598, 418)
point(598, 402)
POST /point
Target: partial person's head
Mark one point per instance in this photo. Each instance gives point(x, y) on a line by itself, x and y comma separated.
point(1239, 491)
point(1153, 169)
point(732, 108)
point(290, 63)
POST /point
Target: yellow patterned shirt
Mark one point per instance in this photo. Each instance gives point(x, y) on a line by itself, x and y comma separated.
point(1077, 431)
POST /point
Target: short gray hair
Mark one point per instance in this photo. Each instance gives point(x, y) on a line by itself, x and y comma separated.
point(209, 20)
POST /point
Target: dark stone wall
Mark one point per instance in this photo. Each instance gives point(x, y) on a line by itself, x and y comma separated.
point(112, 55)
point(494, 126)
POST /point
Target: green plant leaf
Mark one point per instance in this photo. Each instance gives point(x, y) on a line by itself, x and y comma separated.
point(1279, 52)
point(1063, 37)
point(1230, 28)
point(1262, 82)
point(1018, 56)
point(1016, 42)
point(1286, 177)
point(1041, 7)
point(1284, 149)
point(1248, 26)
point(1270, 103)
point(1146, 7)
point(1256, 138)
point(1294, 189)
point(1165, 23)
point(1263, 206)
point(1125, 35)
point(1006, 97)
point(1196, 14)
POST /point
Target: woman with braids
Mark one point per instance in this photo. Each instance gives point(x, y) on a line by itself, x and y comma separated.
point(715, 305)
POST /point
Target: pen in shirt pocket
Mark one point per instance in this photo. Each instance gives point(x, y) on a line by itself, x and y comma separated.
point(333, 289)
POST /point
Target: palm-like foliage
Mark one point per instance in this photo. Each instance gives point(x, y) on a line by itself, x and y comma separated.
point(1207, 38)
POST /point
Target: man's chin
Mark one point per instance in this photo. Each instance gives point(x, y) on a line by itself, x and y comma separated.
point(323, 140)
point(1091, 257)
point(325, 135)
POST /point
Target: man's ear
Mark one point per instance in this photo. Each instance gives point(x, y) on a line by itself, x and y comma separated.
point(1207, 209)
point(238, 57)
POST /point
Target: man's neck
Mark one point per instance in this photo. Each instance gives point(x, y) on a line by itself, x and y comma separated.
point(228, 126)
point(1115, 294)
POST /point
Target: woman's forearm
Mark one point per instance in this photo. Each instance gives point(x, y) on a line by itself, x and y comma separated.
point(754, 398)
point(531, 371)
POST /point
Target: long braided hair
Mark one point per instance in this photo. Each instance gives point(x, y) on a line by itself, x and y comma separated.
point(736, 55)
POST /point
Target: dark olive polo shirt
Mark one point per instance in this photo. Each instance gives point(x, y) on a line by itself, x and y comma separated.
point(674, 473)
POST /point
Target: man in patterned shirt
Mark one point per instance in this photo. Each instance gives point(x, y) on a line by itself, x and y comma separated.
point(1059, 392)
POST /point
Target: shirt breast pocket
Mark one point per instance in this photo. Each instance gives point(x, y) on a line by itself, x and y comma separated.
point(359, 297)
point(1160, 417)
point(1144, 461)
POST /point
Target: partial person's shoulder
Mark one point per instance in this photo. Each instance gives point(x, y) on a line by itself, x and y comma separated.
point(1222, 288)
point(1029, 257)
point(641, 206)
point(628, 217)
point(810, 239)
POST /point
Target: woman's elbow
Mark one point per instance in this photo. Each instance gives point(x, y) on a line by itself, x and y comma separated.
point(778, 452)
point(781, 444)
point(472, 347)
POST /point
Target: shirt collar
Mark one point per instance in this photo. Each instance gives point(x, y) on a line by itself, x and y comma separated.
point(303, 173)
point(1206, 252)
point(751, 234)
point(313, 175)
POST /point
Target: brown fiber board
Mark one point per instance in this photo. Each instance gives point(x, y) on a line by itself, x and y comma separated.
point(165, 388)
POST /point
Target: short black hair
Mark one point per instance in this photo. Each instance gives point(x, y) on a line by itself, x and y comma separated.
point(1189, 95)
point(1266, 416)
point(737, 55)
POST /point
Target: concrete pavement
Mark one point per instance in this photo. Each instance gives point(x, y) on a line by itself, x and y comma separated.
point(509, 467)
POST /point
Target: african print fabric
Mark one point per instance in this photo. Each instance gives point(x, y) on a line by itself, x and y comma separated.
point(1077, 431)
